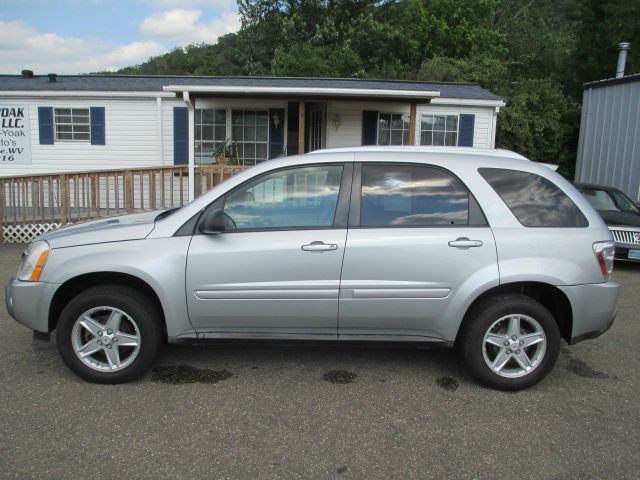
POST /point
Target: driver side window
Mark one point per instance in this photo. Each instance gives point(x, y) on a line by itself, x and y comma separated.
point(293, 198)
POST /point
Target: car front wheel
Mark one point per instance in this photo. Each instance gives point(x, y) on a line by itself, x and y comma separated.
point(510, 342)
point(109, 334)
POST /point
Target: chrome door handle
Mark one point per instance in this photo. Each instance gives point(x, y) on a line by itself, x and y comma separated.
point(319, 247)
point(464, 243)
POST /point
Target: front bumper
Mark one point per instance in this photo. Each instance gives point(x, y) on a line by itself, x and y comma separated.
point(625, 238)
point(594, 308)
point(622, 252)
point(28, 302)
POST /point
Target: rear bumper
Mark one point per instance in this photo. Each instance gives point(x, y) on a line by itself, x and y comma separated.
point(594, 308)
point(28, 302)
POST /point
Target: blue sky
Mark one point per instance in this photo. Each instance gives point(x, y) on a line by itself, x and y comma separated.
point(81, 36)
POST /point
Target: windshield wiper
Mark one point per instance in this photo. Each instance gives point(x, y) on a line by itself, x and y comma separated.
point(166, 213)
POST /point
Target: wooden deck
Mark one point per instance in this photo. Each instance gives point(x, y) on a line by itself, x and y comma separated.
point(32, 205)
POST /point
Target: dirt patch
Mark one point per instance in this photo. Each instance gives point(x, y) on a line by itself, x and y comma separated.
point(339, 376)
point(583, 369)
point(183, 374)
point(448, 383)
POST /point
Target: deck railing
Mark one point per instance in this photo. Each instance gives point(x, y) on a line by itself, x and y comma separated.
point(31, 205)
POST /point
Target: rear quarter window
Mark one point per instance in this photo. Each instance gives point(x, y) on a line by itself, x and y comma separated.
point(534, 200)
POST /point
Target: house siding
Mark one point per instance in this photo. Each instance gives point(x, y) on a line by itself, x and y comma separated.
point(482, 135)
point(349, 131)
point(130, 132)
point(138, 131)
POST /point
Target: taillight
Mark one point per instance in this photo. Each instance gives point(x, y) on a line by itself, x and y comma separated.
point(604, 252)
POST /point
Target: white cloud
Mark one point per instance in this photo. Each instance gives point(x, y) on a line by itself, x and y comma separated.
point(170, 22)
point(21, 47)
point(219, 5)
point(131, 54)
point(182, 26)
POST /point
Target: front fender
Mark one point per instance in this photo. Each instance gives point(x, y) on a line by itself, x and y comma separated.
point(160, 263)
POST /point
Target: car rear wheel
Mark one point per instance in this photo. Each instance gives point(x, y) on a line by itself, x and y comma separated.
point(510, 342)
point(109, 334)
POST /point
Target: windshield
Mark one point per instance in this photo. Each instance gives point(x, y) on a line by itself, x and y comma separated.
point(623, 202)
point(609, 200)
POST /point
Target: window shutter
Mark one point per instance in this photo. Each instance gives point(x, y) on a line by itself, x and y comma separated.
point(97, 126)
point(45, 125)
point(465, 134)
point(180, 136)
point(369, 127)
point(276, 134)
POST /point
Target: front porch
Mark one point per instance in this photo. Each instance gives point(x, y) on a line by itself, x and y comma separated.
point(251, 124)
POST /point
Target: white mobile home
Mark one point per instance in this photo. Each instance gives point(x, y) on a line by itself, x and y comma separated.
point(59, 123)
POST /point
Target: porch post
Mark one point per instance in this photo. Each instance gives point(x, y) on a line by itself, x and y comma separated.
point(192, 145)
point(412, 124)
point(301, 123)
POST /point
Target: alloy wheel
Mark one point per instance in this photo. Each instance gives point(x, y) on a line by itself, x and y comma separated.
point(514, 346)
point(106, 339)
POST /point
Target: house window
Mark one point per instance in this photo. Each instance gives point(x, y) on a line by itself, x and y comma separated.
point(72, 124)
point(210, 133)
point(439, 130)
point(250, 134)
point(393, 129)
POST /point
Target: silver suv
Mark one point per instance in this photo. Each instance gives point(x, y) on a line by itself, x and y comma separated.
point(480, 249)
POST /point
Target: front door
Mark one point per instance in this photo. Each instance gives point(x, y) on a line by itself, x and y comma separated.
point(276, 269)
point(417, 240)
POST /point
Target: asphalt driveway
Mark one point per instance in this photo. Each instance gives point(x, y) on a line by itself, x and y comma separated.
point(256, 411)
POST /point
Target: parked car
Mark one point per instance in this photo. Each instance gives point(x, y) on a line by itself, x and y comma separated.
point(480, 249)
point(622, 216)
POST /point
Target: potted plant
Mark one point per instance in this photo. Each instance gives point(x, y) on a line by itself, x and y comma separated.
point(226, 153)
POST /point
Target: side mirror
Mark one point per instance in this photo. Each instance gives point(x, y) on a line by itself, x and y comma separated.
point(213, 223)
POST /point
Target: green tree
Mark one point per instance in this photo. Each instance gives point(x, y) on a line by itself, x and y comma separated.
point(601, 26)
point(307, 60)
point(539, 122)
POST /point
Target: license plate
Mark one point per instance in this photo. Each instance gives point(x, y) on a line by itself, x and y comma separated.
point(634, 255)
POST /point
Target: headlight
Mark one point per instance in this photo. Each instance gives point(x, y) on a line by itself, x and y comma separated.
point(33, 260)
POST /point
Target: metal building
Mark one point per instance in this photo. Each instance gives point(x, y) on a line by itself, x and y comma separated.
point(609, 145)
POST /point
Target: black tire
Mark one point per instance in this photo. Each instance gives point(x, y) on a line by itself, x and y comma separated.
point(481, 319)
point(130, 301)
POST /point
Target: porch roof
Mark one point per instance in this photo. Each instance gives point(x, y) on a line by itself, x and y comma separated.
point(337, 87)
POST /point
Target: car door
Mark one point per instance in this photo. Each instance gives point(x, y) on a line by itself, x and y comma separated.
point(417, 242)
point(275, 270)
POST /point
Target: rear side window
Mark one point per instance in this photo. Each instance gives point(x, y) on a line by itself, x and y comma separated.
point(534, 200)
point(411, 195)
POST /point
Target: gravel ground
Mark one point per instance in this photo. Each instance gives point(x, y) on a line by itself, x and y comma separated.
point(257, 411)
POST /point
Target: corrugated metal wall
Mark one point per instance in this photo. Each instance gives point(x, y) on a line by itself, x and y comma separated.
point(609, 145)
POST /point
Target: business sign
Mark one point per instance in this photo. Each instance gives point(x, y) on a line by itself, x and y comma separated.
point(15, 141)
